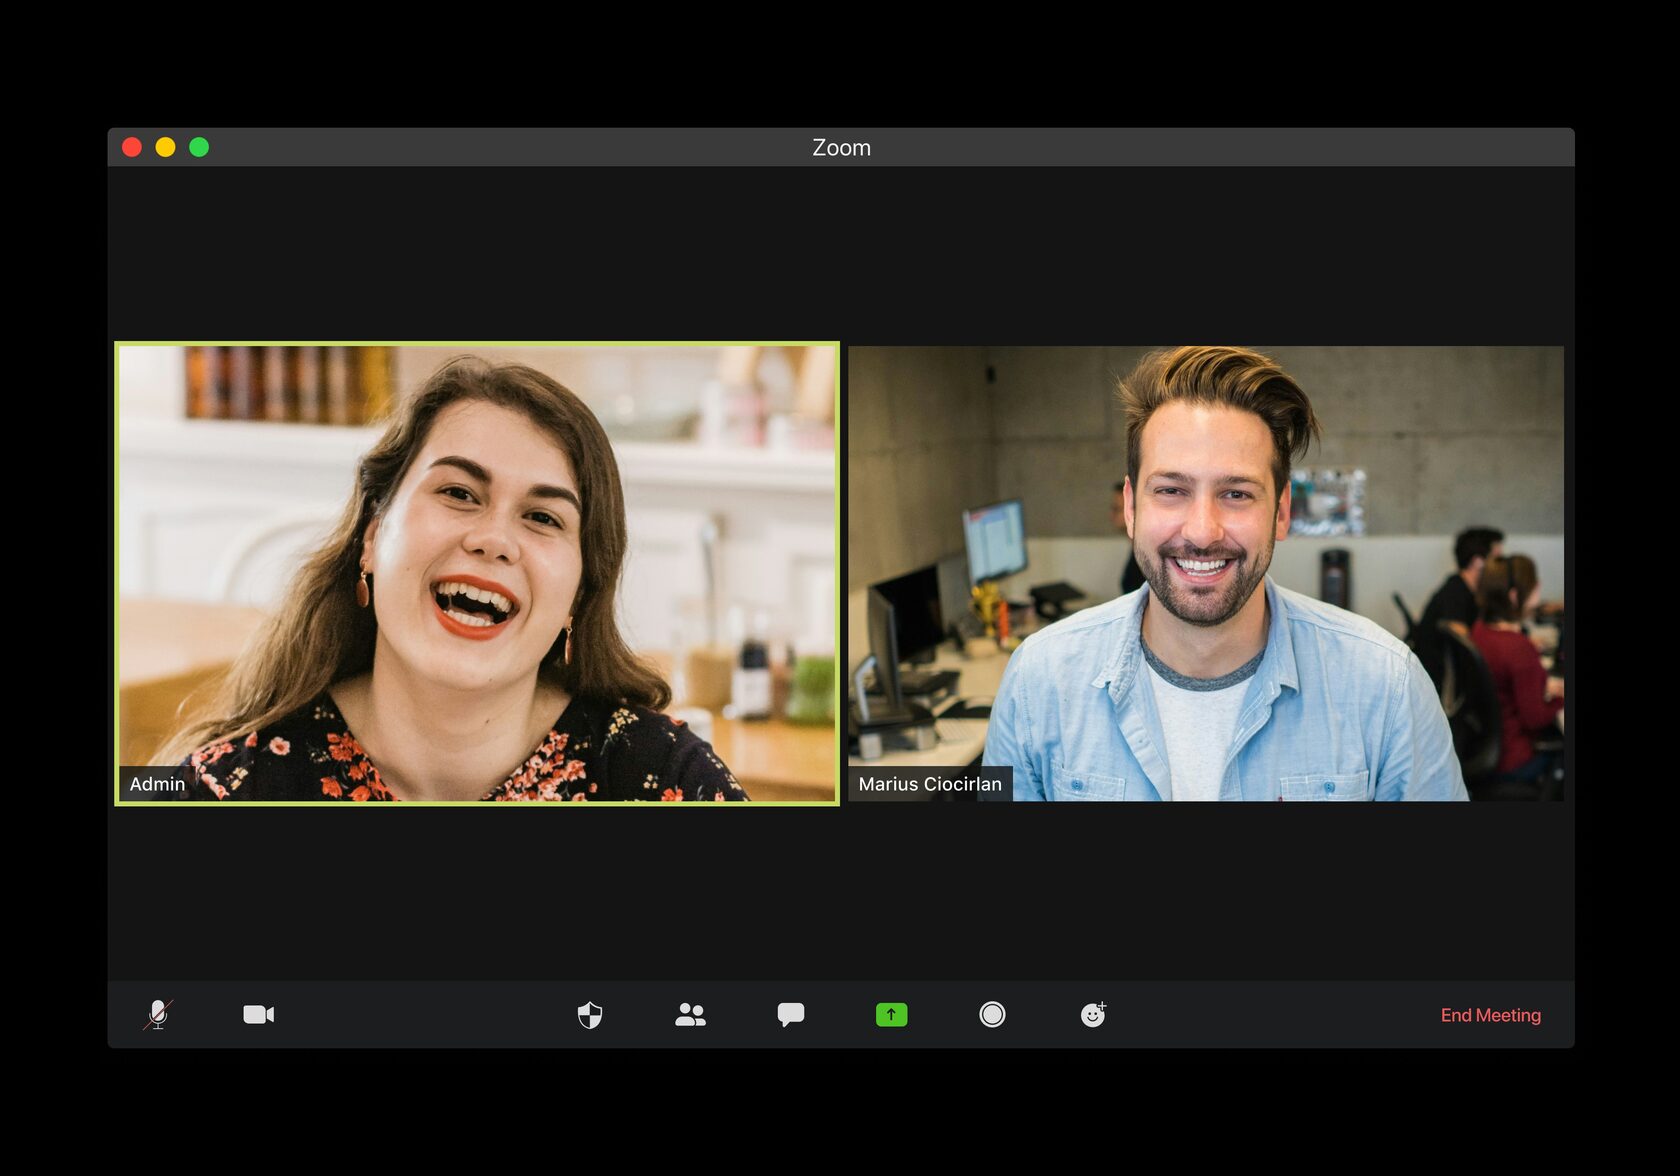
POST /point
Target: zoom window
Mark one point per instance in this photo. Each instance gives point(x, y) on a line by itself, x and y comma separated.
point(841, 589)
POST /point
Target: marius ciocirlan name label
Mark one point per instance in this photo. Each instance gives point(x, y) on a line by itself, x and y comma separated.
point(924, 783)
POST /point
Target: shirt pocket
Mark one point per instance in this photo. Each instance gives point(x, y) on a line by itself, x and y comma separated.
point(1076, 784)
point(1326, 786)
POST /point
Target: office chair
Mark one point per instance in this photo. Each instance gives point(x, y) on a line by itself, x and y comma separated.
point(1471, 702)
point(1472, 707)
point(1406, 615)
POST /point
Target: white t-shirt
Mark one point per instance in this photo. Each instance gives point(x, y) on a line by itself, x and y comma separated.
point(1199, 719)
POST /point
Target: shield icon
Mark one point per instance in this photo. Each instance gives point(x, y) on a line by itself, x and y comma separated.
point(589, 1015)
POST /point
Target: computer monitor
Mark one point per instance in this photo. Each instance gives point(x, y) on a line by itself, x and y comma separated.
point(996, 540)
point(954, 597)
point(883, 643)
point(918, 617)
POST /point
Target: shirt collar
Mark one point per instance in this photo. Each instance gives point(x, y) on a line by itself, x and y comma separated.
point(1280, 647)
point(1123, 664)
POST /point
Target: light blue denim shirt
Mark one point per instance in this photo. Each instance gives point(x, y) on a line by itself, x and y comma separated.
point(1339, 710)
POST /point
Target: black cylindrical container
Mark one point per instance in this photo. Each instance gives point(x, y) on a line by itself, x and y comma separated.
point(1335, 577)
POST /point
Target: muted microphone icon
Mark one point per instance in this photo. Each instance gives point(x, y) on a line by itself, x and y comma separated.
point(160, 1014)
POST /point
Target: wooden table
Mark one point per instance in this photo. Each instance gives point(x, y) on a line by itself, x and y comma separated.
point(168, 648)
point(776, 760)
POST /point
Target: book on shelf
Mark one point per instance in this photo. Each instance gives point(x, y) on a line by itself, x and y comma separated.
point(308, 385)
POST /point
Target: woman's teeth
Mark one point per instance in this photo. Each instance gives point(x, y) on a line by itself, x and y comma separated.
point(451, 588)
point(456, 614)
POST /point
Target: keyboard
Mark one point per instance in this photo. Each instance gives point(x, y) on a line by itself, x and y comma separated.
point(960, 730)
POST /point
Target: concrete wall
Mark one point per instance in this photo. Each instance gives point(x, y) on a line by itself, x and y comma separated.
point(1450, 436)
point(920, 447)
point(1061, 437)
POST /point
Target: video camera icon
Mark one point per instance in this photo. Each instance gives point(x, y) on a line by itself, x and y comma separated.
point(258, 1014)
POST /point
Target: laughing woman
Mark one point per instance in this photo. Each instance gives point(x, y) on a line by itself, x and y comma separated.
point(454, 639)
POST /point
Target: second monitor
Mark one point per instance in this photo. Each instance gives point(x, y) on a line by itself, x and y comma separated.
point(917, 625)
point(996, 539)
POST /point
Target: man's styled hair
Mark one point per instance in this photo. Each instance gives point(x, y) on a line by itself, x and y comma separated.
point(1498, 579)
point(1475, 543)
point(1230, 376)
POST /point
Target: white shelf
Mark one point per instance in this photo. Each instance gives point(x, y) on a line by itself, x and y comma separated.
point(338, 448)
point(647, 463)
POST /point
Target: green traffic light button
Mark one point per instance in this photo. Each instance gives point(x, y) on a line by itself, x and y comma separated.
point(892, 1015)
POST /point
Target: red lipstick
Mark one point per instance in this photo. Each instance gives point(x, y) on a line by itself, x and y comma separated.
point(474, 632)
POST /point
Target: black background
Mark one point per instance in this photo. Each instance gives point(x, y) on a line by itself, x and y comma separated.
point(994, 256)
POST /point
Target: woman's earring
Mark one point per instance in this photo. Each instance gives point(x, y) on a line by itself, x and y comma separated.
point(567, 655)
point(363, 596)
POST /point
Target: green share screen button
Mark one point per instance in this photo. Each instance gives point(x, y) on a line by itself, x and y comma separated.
point(892, 1016)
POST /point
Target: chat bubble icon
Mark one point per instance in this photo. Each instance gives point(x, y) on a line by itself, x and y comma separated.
point(790, 1011)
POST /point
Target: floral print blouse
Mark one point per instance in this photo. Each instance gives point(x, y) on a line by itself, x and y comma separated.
point(594, 751)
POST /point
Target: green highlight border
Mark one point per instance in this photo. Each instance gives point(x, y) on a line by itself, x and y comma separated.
point(116, 566)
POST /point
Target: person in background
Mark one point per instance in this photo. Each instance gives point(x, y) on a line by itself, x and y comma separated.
point(1455, 600)
point(1132, 578)
point(1529, 702)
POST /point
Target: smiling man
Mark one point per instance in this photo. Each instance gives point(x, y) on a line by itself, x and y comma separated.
point(1213, 683)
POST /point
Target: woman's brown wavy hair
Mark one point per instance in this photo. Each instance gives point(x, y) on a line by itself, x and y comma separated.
point(319, 636)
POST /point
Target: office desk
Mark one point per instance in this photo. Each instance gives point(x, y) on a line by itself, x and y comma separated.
point(777, 760)
point(978, 683)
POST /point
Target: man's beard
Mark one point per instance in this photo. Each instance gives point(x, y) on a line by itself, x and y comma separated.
point(1209, 606)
